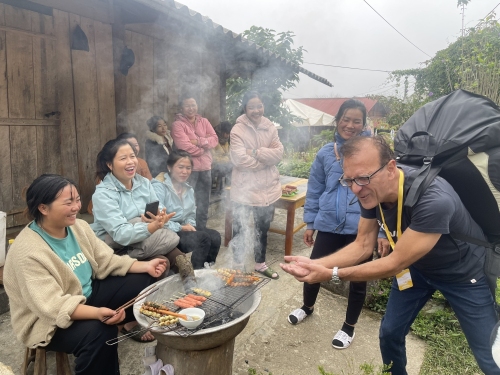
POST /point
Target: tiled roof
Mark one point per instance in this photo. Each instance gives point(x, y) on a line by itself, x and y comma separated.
point(332, 105)
point(228, 35)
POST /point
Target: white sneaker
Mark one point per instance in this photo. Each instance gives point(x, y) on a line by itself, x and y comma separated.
point(296, 316)
point(209, 265)
point(342, 340)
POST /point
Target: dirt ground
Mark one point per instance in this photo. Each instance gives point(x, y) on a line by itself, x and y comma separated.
point(269, 343)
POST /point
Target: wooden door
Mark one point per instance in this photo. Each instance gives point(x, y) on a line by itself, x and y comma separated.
point(29, 124)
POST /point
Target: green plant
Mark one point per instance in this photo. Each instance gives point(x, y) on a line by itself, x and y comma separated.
point(321, 139)
point(297, 164)
point(270, 81)
point(378, 295)
point(472, 62)
point(252, 371)
point(364, 369)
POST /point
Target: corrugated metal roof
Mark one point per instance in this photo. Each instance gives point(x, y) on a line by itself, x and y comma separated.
point(332, 105)
point(230, 36)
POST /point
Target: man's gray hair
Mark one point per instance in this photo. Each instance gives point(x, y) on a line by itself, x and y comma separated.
point(355, 145)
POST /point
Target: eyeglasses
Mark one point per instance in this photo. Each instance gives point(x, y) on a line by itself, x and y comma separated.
point(360, 181)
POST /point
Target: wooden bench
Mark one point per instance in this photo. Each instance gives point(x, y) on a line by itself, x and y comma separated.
point(290, 204)
point(38, 356)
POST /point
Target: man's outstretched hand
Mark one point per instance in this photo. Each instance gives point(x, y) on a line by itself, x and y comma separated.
point(305, 270)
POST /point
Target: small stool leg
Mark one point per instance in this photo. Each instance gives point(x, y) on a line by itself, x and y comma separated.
point(62, 362)
point(29, 356)
point(40, 362)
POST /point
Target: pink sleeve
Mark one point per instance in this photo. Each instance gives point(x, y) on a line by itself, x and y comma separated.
point(210, 140)
point(182, 140)
point(238, 154)
point(273, 154)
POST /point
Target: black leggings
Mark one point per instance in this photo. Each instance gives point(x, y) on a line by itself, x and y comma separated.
point(201, 181)
point(326, 244)
point(86, 339)
point(204, 243)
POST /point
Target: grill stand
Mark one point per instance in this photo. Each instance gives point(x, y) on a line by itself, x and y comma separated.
point(207, 351)
point(211, 354)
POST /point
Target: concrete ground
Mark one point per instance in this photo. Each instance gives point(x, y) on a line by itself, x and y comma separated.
point(269, 343)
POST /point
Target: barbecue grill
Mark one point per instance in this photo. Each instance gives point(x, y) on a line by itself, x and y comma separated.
point(208, 349)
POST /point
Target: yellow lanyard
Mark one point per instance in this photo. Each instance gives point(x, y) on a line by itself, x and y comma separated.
point(399, 213)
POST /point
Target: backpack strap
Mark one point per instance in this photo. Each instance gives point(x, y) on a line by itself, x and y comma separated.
point(462, 237)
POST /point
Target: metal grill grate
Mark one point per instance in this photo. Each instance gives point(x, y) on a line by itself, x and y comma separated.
point(220, 307)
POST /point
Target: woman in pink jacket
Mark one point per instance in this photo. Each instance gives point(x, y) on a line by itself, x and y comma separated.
point(255, 183)
point(195, 134)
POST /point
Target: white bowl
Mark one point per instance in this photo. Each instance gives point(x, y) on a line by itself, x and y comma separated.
point(194, 313)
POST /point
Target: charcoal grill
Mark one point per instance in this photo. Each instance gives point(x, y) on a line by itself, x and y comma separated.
point(208, 349)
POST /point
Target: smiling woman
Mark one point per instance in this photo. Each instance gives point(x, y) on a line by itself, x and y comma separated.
point(57, 301)
point(119, 204)
point(178, 196)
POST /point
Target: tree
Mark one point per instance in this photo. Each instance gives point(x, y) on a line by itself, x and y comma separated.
point(271, 81)
point(471, 63)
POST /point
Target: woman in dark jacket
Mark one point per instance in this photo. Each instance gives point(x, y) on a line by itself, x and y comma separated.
point(158, 145)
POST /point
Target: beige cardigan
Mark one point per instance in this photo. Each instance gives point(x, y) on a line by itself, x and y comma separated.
point(43, 291)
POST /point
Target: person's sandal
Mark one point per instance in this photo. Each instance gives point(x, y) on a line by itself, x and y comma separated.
point(268, 272)
point(139, 333)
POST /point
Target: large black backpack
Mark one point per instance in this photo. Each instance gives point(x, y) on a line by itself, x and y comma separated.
point(458, 138)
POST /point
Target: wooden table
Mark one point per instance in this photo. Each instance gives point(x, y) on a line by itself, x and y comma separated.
point(290, 204)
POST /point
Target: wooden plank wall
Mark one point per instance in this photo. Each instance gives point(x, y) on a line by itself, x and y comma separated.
point(27, 93)
point(57, 105)
point(165, 66)
point(93, 87)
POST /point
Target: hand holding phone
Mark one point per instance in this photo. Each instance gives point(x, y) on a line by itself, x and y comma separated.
point(151, 207)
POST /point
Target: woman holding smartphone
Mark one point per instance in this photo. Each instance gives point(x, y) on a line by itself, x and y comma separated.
point(119, 207)
point(178, 196)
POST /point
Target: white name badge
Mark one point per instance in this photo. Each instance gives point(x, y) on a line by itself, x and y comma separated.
point(404, 279)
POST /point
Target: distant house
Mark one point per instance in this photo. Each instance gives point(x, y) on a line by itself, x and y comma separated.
point(375, 110)
point(75, 73)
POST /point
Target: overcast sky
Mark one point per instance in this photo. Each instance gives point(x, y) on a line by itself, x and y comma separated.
point(349, 33)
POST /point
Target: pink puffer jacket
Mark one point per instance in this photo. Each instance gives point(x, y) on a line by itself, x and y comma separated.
point(255, 180)
point(183, 131)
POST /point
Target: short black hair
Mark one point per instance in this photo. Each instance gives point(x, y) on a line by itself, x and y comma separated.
point(247, 97)
point(351, 104)
point(225, 127)
point(44, 190)
point(176, 155)
point(186, 95)
point(107, 154)
point(126, 136)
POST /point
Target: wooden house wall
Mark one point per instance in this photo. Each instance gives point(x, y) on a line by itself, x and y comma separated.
point(56, 104)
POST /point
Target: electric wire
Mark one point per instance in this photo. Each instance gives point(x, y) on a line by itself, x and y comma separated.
point(348, 67)
point(491, 11)
point(413, 44)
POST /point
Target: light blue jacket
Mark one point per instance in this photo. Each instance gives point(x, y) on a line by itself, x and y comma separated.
point(330, 207)
point(185, 209)
point(115, 205)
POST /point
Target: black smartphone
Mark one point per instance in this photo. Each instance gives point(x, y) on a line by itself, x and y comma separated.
point(151, 207)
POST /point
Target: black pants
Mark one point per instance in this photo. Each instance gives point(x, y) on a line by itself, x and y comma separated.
point(202, 185)
point(262, 215)
point(204, 243)
point(326, 244)
point(86, 339)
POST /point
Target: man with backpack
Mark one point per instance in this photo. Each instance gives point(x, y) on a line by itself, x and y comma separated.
point(425, 257)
